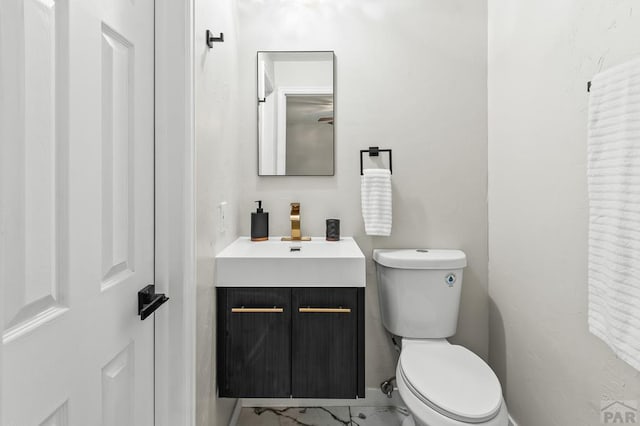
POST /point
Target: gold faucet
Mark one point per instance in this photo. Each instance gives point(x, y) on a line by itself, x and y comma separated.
point(296, 235)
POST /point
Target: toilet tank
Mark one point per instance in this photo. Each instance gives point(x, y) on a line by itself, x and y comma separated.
point(419, 291)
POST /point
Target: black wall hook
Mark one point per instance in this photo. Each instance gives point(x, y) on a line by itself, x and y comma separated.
point(211, 38)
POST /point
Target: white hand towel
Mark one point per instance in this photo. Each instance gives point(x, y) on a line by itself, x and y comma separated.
point(376, 201)
point(614, 210)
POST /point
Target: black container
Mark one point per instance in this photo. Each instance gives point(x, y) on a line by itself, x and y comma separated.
point(259, 224)
point(333, 229)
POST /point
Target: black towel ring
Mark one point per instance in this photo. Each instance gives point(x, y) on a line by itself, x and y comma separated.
point(374, 151)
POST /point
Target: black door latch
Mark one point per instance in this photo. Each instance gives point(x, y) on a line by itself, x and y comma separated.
point(149, 301)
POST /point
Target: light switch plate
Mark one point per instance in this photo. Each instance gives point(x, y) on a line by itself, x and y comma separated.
point(222, 217)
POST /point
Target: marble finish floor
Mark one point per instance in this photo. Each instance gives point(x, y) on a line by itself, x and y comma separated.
point(322, 416)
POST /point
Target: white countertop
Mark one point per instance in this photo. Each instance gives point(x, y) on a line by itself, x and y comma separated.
point(276, 263)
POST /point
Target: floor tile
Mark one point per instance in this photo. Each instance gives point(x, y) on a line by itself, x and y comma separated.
point(295, 416)
point(378, 416)
point(249, 418)
point(322, 416)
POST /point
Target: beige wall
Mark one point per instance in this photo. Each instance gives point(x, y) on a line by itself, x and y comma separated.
point(217, 161)
point(541, 55)
point(411, 76)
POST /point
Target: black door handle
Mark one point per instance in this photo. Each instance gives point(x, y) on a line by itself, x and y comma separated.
point(149, 301)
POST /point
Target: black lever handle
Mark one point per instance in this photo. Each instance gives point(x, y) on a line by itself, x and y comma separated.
point(149, 301)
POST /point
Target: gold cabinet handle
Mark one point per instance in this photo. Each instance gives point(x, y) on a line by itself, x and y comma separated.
point(244, 310)
point(324, 310)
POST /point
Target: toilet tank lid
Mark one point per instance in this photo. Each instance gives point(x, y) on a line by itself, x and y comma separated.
point(420, 258)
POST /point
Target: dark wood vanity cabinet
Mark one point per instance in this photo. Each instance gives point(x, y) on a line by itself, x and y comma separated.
point(254, 342)
point(324, 338)
point(299, 342)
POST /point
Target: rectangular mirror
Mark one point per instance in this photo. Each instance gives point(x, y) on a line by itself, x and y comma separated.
point(295, 113)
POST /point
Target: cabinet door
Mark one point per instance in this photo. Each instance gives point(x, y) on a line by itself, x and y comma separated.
point(254, 342)
point(324, 343)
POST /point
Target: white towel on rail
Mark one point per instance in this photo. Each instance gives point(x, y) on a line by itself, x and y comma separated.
point(613, 168)
point(376, 201)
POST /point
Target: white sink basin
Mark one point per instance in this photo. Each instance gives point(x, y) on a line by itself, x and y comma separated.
point(275, 263)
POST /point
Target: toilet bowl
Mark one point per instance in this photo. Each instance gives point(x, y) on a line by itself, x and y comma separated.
point(448, 385)
point(442, 384)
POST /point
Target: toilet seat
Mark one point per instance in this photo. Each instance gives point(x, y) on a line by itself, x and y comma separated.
point(451, 380)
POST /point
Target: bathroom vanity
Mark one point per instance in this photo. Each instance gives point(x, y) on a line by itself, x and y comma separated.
point(290, 319)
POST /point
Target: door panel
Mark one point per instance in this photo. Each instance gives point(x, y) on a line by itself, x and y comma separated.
point(33, 181)
point(58, 417)
point(254, 350)
point(324, 344)
point(117, 155)
point(118, 389)
point(77, 218)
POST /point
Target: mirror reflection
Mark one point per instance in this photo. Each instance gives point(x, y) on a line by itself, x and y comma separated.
point(295, 113)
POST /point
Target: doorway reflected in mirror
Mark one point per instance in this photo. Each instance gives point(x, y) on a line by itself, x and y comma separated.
point(295, 113)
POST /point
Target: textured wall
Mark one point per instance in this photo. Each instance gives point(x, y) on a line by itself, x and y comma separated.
point(411, 76)
point(541, 55)
point(217, 160)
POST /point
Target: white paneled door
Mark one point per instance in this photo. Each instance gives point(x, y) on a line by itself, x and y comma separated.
point(77, 214)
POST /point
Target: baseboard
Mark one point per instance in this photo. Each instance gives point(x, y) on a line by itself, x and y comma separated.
point(373, 398)
point(236, 413)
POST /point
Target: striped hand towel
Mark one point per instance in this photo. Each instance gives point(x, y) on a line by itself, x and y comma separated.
point(614, 210)
point(376, 201)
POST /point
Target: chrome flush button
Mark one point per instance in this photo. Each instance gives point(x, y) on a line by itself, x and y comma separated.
point(450, 279)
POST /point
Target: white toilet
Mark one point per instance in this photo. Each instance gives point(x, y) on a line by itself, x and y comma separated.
point(441, 384)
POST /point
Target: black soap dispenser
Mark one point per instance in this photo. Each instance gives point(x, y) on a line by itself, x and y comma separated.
point(259, 224)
